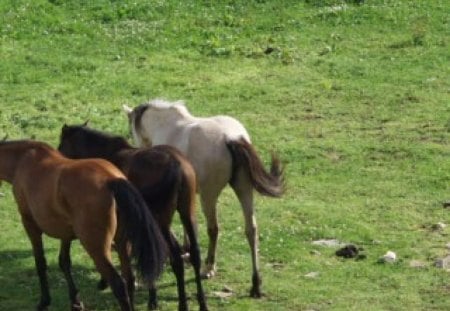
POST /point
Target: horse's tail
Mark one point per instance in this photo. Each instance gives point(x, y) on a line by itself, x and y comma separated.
point(140, 229)
point(266, 183)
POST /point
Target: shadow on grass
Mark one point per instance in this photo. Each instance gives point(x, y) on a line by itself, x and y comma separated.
point(20, 285)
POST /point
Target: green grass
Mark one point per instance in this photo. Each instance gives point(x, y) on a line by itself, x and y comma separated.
point(354, 97)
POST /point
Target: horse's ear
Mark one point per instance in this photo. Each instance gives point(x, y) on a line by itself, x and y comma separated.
point(5, 138)
point(126, 109)
point(86, 123)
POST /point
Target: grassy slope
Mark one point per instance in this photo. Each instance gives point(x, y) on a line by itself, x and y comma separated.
point(356, 101)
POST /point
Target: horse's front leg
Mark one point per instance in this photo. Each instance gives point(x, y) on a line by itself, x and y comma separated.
point(35, 236)
point(65, 265)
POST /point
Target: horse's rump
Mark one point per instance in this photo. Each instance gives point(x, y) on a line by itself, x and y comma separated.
point(156, 190)
point(140, 229)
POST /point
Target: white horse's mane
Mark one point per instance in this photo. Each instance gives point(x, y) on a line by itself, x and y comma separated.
point(177, 106)
point(164, 104)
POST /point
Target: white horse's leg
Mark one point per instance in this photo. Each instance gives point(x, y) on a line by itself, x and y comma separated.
point(209, 206)
point(243, 189)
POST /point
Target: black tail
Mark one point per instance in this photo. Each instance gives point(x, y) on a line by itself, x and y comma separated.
point(266, 183)
point(140, 228)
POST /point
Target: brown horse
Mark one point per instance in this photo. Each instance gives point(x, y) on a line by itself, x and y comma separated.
point(166, 180)
point(86, 199)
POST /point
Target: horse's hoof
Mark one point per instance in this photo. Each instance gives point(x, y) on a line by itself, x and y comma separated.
point(102, 284)
point(152, 305)
point(79, 306)
point(183, 308)
point(186, 258)
point(43, 305)
point(255, 293)
point(208, 272)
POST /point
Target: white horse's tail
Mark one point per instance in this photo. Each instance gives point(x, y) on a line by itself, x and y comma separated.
point(244, 156)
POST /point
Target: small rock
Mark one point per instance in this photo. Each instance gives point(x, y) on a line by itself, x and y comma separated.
point(227, 289)
point(448, 245)
point(312, 275)
point(389, 257)
point(315, 252)
point(226, 292)
point(328, 242)
point(443, 263)
point(269, 50)
point(438, 226)
point(348, 251)
point(417, 264)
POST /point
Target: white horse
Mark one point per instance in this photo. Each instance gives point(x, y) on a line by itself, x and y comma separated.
point(221, 152)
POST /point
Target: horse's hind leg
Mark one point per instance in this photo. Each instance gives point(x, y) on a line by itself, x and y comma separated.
point(100, 251)
point(176, 261)
point(209, 207)
point(117, 283)
point(35, 236)
point(190, 227)
point(66, 266)
point(124, 252)
point(243, 188)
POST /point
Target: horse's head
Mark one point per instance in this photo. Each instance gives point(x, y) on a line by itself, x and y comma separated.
point(135, 122)
point(72, 141)
point(81, 141)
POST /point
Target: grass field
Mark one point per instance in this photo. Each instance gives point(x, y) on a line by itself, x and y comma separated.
point(353, 95)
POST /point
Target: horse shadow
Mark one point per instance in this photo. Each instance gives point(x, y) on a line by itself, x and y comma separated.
point(19, 284)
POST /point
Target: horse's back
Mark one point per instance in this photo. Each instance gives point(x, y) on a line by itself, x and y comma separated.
point(85, 183)
point(204, 143)
point(232, 128)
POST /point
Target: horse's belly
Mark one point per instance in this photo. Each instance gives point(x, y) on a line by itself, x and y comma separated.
point(55, 227)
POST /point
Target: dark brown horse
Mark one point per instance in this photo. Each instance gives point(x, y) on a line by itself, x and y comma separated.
point(166, 180)
point(86, 199)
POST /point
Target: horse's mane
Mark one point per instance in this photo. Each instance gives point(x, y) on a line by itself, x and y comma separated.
point(177, 107)
point(164, 104)
point(98, 137)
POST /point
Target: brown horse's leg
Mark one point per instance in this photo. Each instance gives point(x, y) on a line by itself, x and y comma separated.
point(176, 261)
point(124, 252)
point(190, 227)
point(100, 251)
point(209, 202)
point(117, 283)
point(243, 188)
point(66, 266)
point(35, 236)
point(152, 298)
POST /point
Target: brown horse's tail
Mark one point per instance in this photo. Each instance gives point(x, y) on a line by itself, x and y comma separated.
point(244, 156)
point(140, 228)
